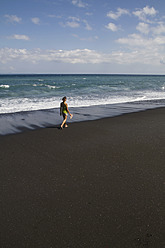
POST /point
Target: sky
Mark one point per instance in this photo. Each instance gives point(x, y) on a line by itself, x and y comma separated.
point(82, 36)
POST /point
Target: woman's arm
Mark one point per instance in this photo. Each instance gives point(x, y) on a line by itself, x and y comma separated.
point(61, 109)
point(68, 110)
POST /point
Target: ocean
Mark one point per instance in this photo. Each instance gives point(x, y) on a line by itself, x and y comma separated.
point(32, 101)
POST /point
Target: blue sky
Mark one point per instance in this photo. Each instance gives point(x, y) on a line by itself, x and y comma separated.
point(82, 36)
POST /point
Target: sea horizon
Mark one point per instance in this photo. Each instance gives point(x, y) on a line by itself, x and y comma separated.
point(102, 74)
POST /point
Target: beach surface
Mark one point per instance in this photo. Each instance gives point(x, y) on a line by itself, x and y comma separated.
point(96, 184)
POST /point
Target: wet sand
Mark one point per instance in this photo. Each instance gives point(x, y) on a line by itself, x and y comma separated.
point(96, 184)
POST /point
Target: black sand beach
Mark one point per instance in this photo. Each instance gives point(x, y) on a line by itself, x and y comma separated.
point(96, 184)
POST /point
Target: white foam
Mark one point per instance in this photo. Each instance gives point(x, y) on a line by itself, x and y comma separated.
point(51, 86)
point(12, 105)
point(36, 85)
point(25, 104)
point(6, 86)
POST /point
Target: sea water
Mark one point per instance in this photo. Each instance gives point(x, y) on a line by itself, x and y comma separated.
point(31, 101)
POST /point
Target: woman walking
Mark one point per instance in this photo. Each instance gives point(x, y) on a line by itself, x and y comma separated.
point(64, 111)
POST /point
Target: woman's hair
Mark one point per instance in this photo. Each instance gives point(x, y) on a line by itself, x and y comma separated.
point(64, 98)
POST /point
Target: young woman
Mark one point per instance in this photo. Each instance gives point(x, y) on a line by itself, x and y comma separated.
point(64, 111)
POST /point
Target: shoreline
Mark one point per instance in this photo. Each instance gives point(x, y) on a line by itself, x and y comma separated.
point(96, 184)
point(18, 122)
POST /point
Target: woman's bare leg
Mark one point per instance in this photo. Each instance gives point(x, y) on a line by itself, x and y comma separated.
point(64, 121)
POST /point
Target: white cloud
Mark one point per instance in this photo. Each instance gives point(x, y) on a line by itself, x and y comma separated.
point(13, 18)
point(72, 24)
point(35, 20)
point(135, 40)
point(75, 22)
point(162, 60)
point(143, 28)
point(146, 11)
point(159, 40)
point(73, 18)
point(149, 11)
point(159, 29)
point(65, 56)
point(19, 37)
point(116, 15)
point(111, 26)
point(87, 26)
point(10, 54)
point(79, 3)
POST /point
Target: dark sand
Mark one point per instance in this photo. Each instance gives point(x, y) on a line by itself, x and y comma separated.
point(97, 184)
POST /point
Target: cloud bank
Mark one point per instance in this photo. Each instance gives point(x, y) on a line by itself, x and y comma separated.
point(87, 56)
